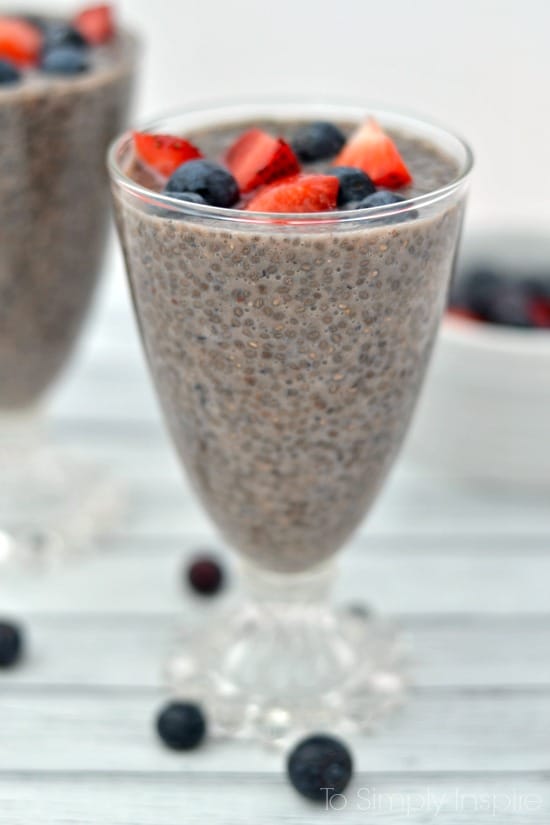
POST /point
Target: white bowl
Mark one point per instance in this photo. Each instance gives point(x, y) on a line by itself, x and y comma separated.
point(485, 410)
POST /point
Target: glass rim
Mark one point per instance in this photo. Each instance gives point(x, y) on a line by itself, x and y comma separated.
point(339, 216)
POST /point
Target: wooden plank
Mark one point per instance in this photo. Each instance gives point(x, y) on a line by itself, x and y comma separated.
point(111, 730)
point(242, 799)
point(143, 575)
point(130, 651)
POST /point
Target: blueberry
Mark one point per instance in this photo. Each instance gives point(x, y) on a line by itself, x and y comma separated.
point(319, 767)
point(354, 184)
point(181, 725)
point(192, 197)
point(11, 644)
point(317, 141)
point(8, 73)
point(383, 197)
point(58, 34)
point(205, 576)
point(211, 181)
point(476, 290)
point(510, 305)
point(65, 60)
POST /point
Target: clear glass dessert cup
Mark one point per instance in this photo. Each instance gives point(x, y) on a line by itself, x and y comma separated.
point(54, 217)
point(288, 352)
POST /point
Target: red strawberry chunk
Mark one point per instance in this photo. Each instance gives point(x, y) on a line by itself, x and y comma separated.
point(96, 24)
point(539, 313)
point(257, 158)
point(369, 148)
point(164, 153)
point(20, 42)
point(464, 314)
point(303, 193)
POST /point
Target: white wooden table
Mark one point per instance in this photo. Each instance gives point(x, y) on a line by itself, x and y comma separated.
point(466, 573)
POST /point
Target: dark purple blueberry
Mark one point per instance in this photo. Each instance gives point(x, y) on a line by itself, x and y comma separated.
point(181, 725)
point(65, 60)
point(355, 185)
point(11, 644)
point(476, 290)
point(8, 73)
point(205, 576)
point(58, 34)
point(320, 767)
point(191, 197)
point(510, 305)
point(317, 141)
point(383, 197)
point(211, 181)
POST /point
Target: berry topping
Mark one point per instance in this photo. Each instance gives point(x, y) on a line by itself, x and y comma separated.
point(354, 184)
point(510, 304)
point(476, 291)
point(205, 576)
point(211, 181)
point(181, 725)
point(257, 158)
point(58, 34)
point(463, 314)
point(539, 312)
point(381, 198)
point(320, 767)
point(317, 141)
point(164, 153)
point(8, 73)
point(192, 197)
point(304, 193)
point(96, 24)
point(11, 644)
point(20, 41)
point(372, 150)
point(65, 60)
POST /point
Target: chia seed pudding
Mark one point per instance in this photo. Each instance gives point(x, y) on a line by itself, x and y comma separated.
point(54, 132)
point(288, 356)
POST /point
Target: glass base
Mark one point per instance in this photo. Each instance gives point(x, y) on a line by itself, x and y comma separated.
point(52, 504)
point(272, 670)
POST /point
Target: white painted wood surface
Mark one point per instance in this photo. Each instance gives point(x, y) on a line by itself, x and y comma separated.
point(464, 571)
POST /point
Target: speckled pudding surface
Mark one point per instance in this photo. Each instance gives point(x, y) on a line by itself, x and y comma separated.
point(288, 358)
point(54, 208)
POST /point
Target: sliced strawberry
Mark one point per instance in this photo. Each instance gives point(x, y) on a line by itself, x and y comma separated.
point(257, 158)
point(372, 150)
point(539, 312)
point(164, 153)
point(20, 42)
point(302, 193)
point(96, 24)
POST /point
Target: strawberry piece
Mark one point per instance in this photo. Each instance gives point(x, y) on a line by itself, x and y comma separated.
point(257, 158)
point(164, 153)
point(464, 314)
point(369, 148)
point(96, 24)
point(539, 313)
point(302, 193)
point(20, 42)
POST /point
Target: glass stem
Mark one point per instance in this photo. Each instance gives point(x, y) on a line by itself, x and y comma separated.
point(310, 588)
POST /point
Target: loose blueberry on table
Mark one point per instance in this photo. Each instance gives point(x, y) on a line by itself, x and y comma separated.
point(53, 47)
point(181, 726)
point(205, 575)
point(262, 172)
point(319, 767)
point(11, 644)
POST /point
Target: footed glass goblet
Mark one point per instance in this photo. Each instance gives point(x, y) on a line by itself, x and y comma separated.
point(288, 352)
